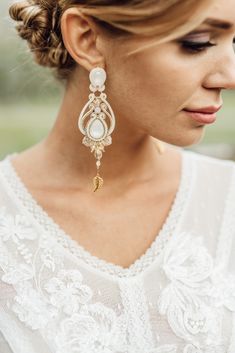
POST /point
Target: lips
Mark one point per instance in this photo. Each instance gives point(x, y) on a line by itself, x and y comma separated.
point(202, 118)
point(206, 110)
point(206, 115)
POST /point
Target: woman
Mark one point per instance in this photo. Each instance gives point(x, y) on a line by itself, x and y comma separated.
point(130, 250)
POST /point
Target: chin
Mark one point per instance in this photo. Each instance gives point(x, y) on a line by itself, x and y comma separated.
point(188, 139)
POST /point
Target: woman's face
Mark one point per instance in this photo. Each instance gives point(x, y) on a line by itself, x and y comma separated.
point(148, 90)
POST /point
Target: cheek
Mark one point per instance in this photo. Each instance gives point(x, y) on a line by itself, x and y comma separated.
point(153, 88)
point(154, 85)
point(173, 80)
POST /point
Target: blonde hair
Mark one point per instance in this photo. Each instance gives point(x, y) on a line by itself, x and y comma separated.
point(39, 24)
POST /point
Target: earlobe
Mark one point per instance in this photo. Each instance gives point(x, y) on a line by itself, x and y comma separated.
point(79, 34)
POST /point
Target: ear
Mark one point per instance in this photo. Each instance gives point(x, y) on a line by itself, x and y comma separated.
point(79, 34)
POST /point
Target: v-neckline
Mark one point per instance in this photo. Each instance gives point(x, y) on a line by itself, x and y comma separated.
point(171, 224)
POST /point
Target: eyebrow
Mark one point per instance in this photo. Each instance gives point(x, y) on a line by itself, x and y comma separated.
point(218, 23)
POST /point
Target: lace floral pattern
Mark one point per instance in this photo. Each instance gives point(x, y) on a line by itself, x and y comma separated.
point(223, 289)
point(94, 329)
point(191, 301)
point(67, 291)
point(195, 294)
point(58, 302)
point(63, 299)
point(169, 226)
point(135, 308)
point(31, 307)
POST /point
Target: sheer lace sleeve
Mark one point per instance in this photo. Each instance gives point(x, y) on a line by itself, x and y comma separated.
point(4, 347)
point(229, 255)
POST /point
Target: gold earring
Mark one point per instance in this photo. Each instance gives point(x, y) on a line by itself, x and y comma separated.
point(97, 133)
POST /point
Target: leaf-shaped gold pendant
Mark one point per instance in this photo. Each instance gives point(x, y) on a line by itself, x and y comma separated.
point(97, 182)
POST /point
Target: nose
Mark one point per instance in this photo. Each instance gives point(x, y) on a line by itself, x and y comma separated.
point(223, 75)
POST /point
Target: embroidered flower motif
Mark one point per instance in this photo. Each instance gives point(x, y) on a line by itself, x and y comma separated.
point(96, 329)
point(31, 308)
point(4, 256)
point(192, 300)
point(21, 273)
point(15, 227)
point(49, 254)
point(188, 266)
point(223, 289)
point(67, 291)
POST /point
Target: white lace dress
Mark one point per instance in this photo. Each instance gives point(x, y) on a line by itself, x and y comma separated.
point(178, 297)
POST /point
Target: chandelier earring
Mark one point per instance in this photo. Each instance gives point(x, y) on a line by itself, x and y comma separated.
point(97, 134)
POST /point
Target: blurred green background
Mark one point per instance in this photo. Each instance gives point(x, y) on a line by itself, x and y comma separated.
point(30, 98)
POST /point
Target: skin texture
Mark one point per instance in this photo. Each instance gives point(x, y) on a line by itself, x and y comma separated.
point(147, 93)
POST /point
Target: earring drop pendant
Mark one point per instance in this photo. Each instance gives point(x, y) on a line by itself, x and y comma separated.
point(97, 182)
point(97, 109)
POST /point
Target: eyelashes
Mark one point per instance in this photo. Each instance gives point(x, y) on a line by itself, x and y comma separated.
point(196, 47)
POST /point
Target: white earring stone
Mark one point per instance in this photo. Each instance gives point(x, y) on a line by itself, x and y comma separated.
point(97, 129)
point(97, 77)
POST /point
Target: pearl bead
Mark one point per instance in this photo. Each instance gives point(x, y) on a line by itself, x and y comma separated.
point(97, 76)
point(97, 110)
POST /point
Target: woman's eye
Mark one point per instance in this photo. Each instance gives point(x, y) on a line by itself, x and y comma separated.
point(196, 47)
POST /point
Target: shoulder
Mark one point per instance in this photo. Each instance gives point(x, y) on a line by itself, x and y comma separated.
point(210, 160)
point(213, 168)
point(19, 236)
point(213, 183)
point(7, 181)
